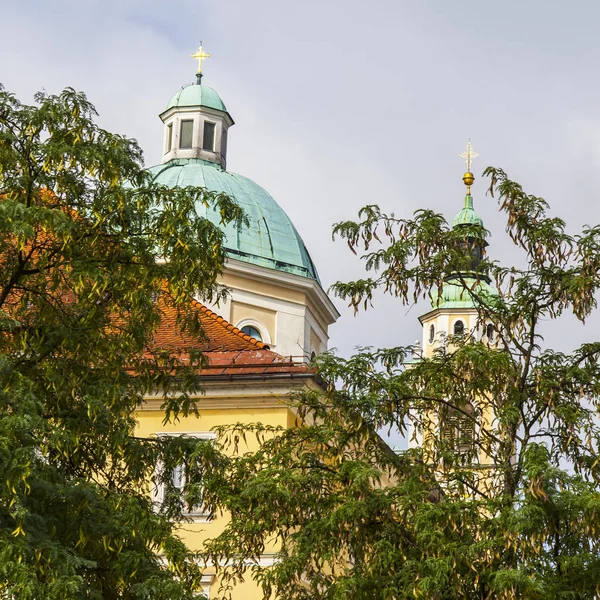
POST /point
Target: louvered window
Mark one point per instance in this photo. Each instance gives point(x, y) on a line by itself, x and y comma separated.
point(458, 428)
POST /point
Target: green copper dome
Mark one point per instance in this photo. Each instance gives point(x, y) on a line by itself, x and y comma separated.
point(270, 241)
point(197, 95)
point(467, 216)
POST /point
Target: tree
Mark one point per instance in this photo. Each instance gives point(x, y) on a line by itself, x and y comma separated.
point(91, 253)
point(355, 520)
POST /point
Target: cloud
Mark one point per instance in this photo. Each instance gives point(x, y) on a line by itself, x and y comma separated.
point(339, 104)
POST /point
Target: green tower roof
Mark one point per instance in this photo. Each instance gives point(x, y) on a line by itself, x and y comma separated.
point(455, 295)
point(197, 95)
point(271, 240)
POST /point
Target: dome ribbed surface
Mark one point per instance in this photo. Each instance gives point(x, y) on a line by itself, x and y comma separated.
point(197, 95)
point(467, 216)
point(271, 240)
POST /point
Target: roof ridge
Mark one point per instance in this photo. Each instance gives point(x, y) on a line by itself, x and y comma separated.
point(229, 327)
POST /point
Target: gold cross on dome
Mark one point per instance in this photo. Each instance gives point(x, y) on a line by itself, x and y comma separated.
point(200, 56)
point(469, 154)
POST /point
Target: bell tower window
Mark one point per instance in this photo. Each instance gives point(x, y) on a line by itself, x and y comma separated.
point(431, 333)
point(458, 428)
point(186, 132)
point(208, 140)
point(459, 328)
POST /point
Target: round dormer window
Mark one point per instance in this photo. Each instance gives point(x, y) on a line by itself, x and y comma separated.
point(252, 332)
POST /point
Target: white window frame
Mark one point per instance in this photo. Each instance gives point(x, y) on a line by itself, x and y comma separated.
point(169, 138)
point(181, 122)
point(158, 489)
point(430, 338)
point(266, 338)
point(214, 140)
point(205, 584)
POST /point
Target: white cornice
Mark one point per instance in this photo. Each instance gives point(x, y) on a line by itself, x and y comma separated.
point(449, 311)
point(311, 287)
point(217, 114)
point(217, 395)
point(223, 403)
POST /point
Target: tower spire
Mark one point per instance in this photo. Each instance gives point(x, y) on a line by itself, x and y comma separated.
point(200, 56)
point(468, 215)
point(468, 155)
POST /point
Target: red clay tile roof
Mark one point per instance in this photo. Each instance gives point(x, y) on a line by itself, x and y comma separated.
point(219, 335)
point(229, 351)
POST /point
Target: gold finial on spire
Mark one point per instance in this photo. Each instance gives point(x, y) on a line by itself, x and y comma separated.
point(468, 155)
point(200, 56)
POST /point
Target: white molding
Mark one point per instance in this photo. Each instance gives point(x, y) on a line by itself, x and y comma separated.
point(211, 112)
point(310, 286)
point(224, 400)
point(206, 581)
point(233, 395)
point(264, 560)
point(448, 311)
point(316, 326)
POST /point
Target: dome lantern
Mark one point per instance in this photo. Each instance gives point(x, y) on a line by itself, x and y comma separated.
point(196, 122)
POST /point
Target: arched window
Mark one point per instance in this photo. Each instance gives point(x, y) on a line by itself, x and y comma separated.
point(431, 333)
point(458, 428)
point(490, 332)
point(252, 332)
point(459, 327)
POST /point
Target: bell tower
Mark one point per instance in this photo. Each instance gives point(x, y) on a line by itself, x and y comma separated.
point(456, 311)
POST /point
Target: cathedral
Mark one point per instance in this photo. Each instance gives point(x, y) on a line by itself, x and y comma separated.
point(259, 342)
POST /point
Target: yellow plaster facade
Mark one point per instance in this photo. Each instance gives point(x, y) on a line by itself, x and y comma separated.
point(225, 403)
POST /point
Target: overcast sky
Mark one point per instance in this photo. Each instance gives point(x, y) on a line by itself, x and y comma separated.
point(342, 103)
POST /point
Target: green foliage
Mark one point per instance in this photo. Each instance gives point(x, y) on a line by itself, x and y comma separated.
point(514, 513)
point(87, 245)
